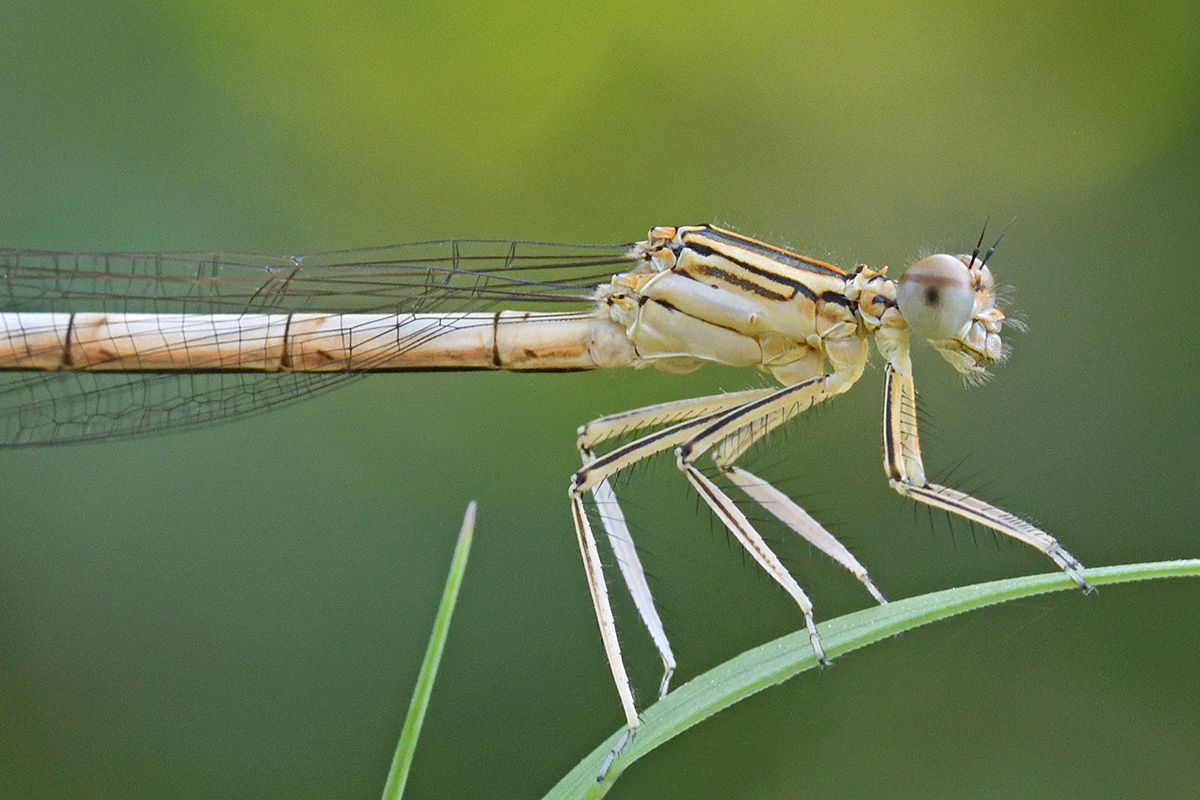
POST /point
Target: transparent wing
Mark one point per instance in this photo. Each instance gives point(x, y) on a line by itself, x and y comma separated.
point(446, 276)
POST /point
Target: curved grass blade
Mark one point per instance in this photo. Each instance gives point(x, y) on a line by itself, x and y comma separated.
point(398, 774)
point(775, 662)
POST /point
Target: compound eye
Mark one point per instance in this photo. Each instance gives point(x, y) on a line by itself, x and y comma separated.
point(935, 296)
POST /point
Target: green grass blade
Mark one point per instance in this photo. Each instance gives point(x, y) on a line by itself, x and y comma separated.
point(398, 774)
point(774, 662)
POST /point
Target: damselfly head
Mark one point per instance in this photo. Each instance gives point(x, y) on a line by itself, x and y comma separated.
point(936, 297)
point(950, 301)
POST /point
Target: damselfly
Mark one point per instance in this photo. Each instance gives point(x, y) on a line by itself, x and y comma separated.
point(98, 346)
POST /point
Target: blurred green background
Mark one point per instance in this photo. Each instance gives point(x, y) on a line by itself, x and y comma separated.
point(240, 611)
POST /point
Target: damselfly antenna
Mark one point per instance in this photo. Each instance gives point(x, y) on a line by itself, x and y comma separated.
point(993, 248)
point(979, 244)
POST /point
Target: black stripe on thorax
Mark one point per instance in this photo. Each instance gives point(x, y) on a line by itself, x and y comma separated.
point(750, 286)
point(838, 298)
point(795, 285)
point(779, 254)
